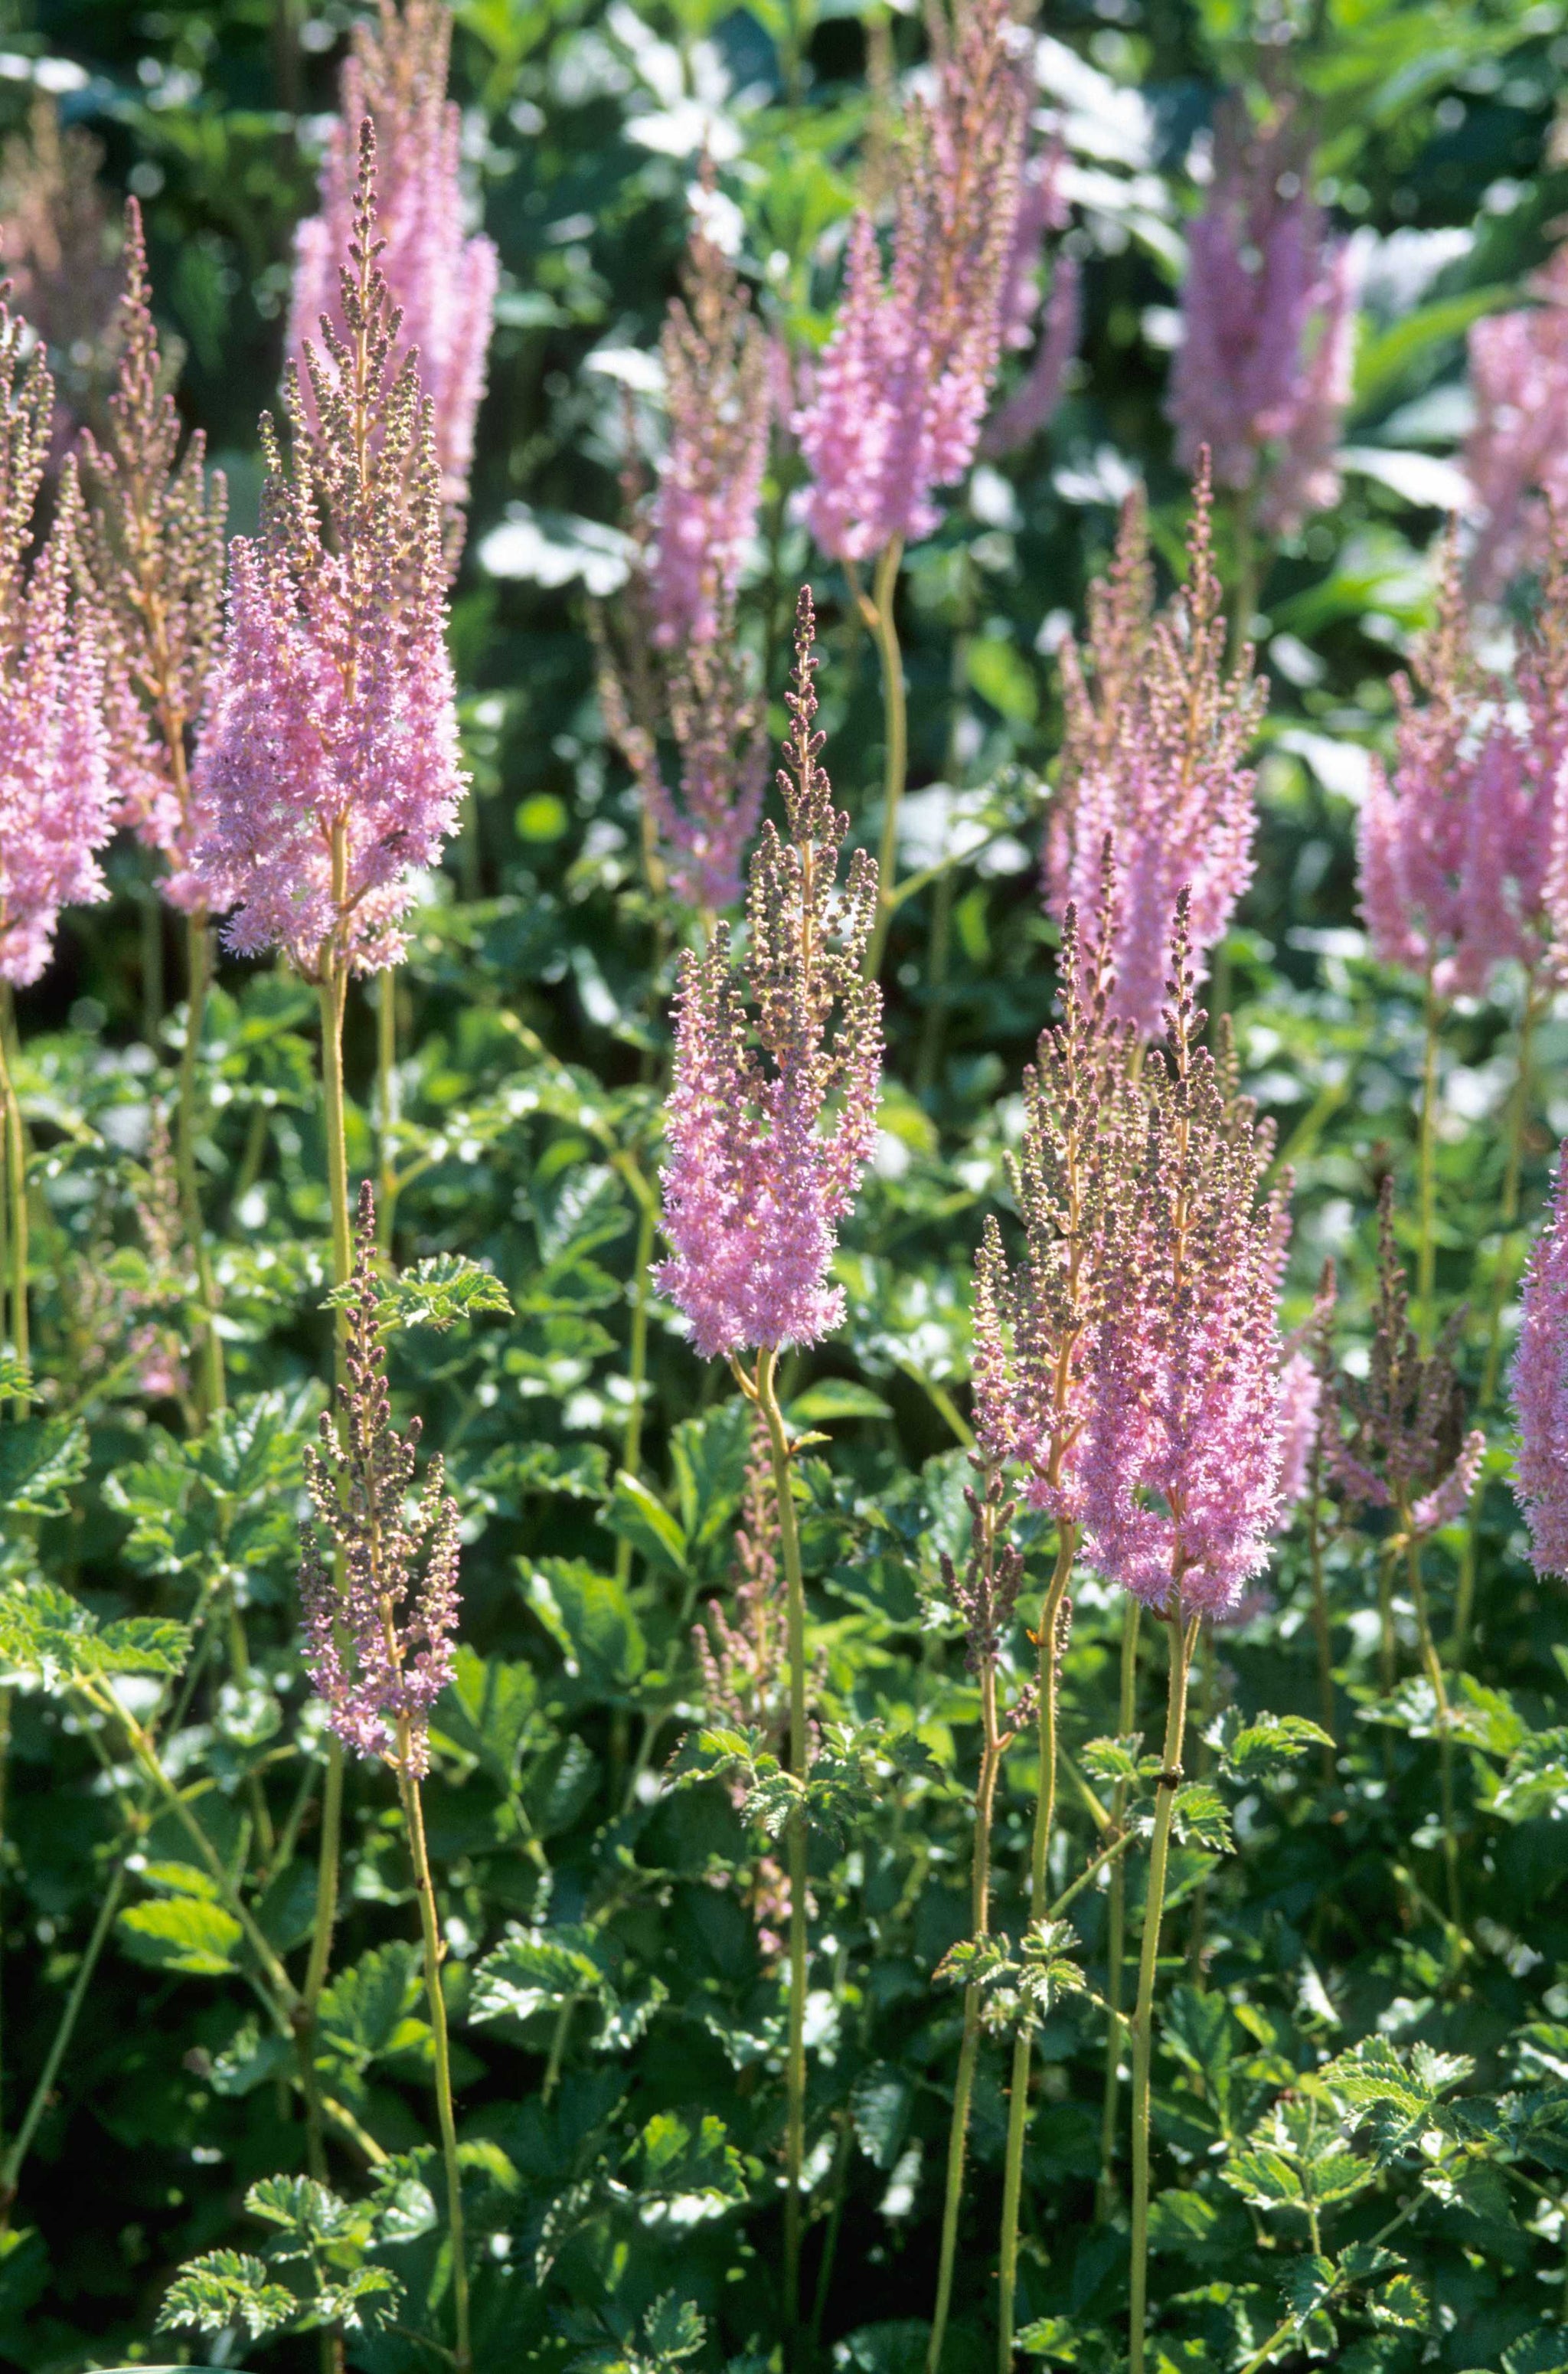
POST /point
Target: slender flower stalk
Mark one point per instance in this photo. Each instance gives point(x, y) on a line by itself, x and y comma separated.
point(152, 569)
point(1157, 731)
point(1541, 1388)
point(1115, 1925)
point(986, 1596)
point(379, 1616)
point(753, 1189)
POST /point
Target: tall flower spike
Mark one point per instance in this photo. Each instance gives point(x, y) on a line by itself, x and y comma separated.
point(755, 1184)
point(721, 748)
point(1262, 376)
point(329, 769)
point(1518, 449)
point(1407, 1448)
point(1541, 1388)
point(57, 250)
point(379, 1648)
point(1181, 1457)
point(1157, 731)
point(1035, 1326)
point(152, 555)
point(710, 475)
point(901, 390)
point(1454, 847)
point(442, 281)
point(56, 804)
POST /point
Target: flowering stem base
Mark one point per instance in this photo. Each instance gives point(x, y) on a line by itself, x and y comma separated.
point(1116, 1943)
point(198, 948)
point(386, 1105)
point(879, 618)
point(434, 1949)
point(16, 1169)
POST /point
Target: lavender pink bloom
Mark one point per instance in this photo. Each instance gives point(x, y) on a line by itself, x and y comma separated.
point(329, 769)
point(441, 280)
point(1541, 1388)
point(1157, 731)
point(899, 393)
point(57, 802)
point(716, 379)
point(1262, 376)
point(754, 1185)
point(1517, 450)
point(703, 828)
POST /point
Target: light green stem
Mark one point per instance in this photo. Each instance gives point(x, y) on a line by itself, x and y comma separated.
point(880, 619)
point(1426, 1259)
point(1182, 1636)
point(16, 1208)
point(435, 1950)
point(631, 1446)
point(198, 956)
point(1322, 1631)
point(1115, 1922)
point(795, 2125)
point(1040, 1867)
point(1434, 1664)
point(11, 2170)
point(386, 1106)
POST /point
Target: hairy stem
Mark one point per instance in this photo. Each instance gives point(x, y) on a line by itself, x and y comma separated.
point(1433, 1664)
point(198, 959)
point(880, 619)
point(434, 1949)
point(1116, 1941)
point(21, 2144)
point(386, 1105)
point(1426, 1258)
point(1182, 1637)
point(795, 2122)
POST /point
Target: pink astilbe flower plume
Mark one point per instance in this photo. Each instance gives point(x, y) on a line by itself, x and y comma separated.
point(1181, 1457)
point(1034, 1322)
point(57, 804)
point(901, 389)
point(153, 558)
point(1540, 1387)
point(1263, 374)
point(1157, 731)
point(714, 718)
point(1518, 449)
point(441, 280)
point(329, 768)
point(1454, 845)
point(1036, 312)
point(716, 394)
point(379, 1576)
point(770, 1121)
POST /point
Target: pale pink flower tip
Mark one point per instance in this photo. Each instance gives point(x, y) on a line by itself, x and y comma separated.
point(1517, 450)
point(1541, 1388)
point(710, 475)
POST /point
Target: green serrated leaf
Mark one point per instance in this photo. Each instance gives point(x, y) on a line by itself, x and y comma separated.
point(225, 2290)
point(40, 1458)
point(1199, 1817)
point(1306, 2284)
point(182, 1932)
point(542, 1972)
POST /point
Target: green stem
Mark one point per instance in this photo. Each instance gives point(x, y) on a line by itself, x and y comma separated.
point(1039, 1867)
point(16, 1208)
point(795, 2127)
point(880, 619)
point(1249, 574)
point(1116, 1919)
point(1426, 1271)
point(434, 1949)
point(11, 2170)
point(1434, 1664)
point(198, 958)
point(1182, 1637)
point(1320, 1625)
point(386, 1105)
point(334, 998)
point(1209, 1667)
point(631, 1445)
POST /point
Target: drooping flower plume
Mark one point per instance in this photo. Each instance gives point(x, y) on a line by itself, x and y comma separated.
point(771, 1120)
point(1517, 453)
point(57, 804)
point(1263, 374)
point(328, 769)
point(1181, 1458)
point(377, 1645)
point(1157, 733)
point(1540, 1387)
point(154, 556)
point(900, 391)
point(710, 475)
point(1455, 846)
point(441, 280)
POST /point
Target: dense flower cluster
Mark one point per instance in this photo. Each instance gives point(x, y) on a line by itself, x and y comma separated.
point(1045, 314)
point(442, 281)
point(710, 475)
point(329, 769)
point(154, 556)
point(1517, 449)
point(715, 722)
point(755, 1186)
point(900, 392)
point(377, 1577)
point(56, 801)
point(1263, 374)
point(1157, 730)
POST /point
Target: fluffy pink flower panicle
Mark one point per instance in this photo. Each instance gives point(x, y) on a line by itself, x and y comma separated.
point(379, 1647)
point(1454, 845)
point(56, 804)
point(1517, 450)
point(1407, 1448)
point(1303, 1386)
point(329, 768)
point(755, 1184)
point(1181, 1457)
point(900, 391)
point(1541, 1388)
point(1034, 312)
point(153, 553)
point(442, 281)
point(716, 380)
point(1157, 730)
point(1035, 1322)
point(1263, 374)
point(714, 716)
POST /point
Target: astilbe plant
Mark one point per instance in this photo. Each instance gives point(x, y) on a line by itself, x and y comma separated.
point(57, 250)
point(379, 1609)
point(442, 280)
point(1514, 452)
point(709, 476)
point(1158, 729)
point(1262, 377)
point(755, 1186)
point(1540, 1387)
point(1038, 312)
